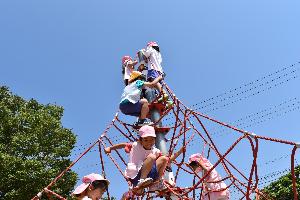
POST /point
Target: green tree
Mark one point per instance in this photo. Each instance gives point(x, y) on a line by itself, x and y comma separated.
point(282, 189)
point(34, 147)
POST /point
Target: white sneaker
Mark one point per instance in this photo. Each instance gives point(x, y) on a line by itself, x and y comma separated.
point(174, 197)
point(157, 187)
point(143, 182)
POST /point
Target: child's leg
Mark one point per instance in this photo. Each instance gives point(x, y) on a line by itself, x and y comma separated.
point(147, 165)
point(126, 81)
point(161, 164)
point(131, 109)
point(145, 108)
point(152, 75)
point(158, 87)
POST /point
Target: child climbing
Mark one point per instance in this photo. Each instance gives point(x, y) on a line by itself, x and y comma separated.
point(143, 60)
point(168, 174)
point(92, 188)
point(127, 67)
point(153, 64)
point(131, 102)
point(146, 163)
point(214, 187)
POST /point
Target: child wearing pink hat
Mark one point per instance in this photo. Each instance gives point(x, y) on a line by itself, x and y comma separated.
point(153, 64)
point(153, 55)
point(214, 187)
point(146, 163)
point(127, 67)
point(131, 102)
point(92, 188)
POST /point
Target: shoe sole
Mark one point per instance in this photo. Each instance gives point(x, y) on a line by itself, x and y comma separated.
point(169, 106)
point(144, 184)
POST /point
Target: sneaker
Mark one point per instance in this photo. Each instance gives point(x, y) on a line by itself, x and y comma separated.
point(157, 186)
point(173, 197)
point(142, 122)
point(144, 182)
point(169, 104)
point(163, 98)
point(147, 122)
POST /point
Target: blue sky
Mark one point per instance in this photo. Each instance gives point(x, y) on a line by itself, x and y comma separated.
point(69, 52)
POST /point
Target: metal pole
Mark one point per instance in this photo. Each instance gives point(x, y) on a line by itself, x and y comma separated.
point(160, 142)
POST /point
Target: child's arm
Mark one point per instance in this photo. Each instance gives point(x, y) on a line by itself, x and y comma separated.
point(176, 154)
point(114, 147)
point(153, 83)
point(131, 65)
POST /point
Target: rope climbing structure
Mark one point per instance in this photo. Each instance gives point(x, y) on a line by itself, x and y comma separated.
point(189, 129)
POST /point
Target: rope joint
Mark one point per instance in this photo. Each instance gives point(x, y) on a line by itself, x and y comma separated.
point(253, 135)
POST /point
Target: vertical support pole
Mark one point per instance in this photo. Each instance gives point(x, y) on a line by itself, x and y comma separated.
point(102, 166)
point(160, 142)
point(194, 191)
point(293, 171)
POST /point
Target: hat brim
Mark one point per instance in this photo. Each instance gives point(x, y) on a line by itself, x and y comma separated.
point(148, 135)
point(81, 188)
point(107, 181)
point(131, 80)
point(131, 63)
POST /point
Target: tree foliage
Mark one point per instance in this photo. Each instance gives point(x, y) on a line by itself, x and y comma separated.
point(34, 147)
point(282, 189)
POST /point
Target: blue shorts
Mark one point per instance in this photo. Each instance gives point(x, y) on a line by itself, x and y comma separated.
point(133, 109)
point(153, 74)
point(152, 174)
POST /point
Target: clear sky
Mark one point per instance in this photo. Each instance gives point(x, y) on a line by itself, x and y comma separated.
point(69, 53)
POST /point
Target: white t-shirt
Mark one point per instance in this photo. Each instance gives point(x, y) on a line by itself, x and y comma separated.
point(132, 92)
point(127, 73)
point(154, 59)
point(137, 157)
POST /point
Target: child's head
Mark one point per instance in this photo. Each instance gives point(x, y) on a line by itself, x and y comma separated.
point(127, 62)
point(196, 162)
point(93, 186)
point(194, 165)
point(147, 136)
point(154, 45)
point(136, 75)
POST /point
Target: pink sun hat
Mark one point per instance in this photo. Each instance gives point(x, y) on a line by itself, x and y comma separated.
point(151, 44)
point(197, 157)
point(147, 131)
point(125, 59)
point(87, 180)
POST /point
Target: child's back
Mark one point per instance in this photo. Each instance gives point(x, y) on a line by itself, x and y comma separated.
point(154, 57)
point(215, 187)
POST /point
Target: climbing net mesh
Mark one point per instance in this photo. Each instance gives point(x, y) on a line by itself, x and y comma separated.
point(186, 128)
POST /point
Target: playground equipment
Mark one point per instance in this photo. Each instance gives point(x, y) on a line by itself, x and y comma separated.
point(189, 126)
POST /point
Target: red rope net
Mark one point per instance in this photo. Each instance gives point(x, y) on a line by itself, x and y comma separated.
point(186, 128)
